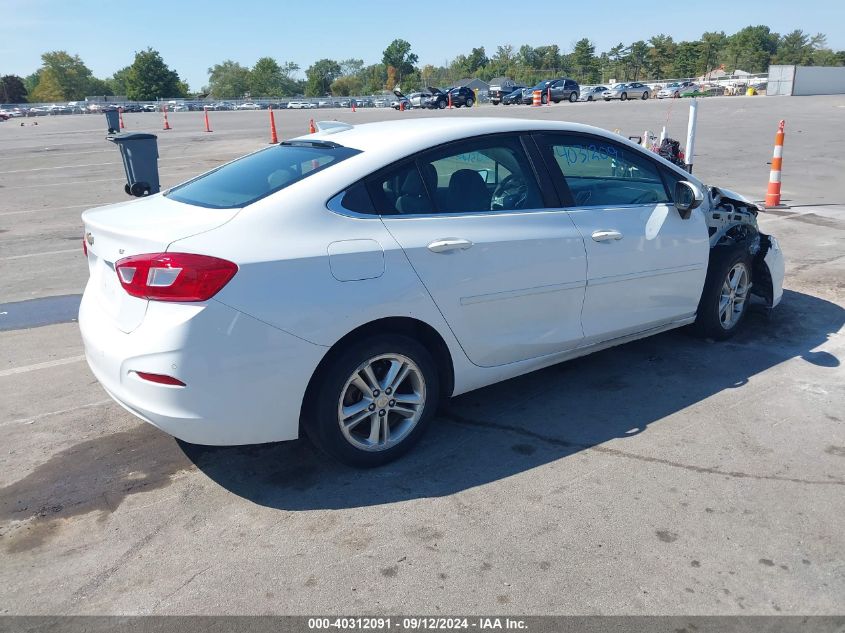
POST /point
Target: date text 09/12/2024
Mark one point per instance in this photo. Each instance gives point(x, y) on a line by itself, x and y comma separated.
point(416, 623)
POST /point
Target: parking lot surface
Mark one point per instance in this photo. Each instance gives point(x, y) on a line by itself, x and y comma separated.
point(667, 476)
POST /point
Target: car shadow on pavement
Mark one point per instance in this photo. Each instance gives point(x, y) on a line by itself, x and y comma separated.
point(526, 422)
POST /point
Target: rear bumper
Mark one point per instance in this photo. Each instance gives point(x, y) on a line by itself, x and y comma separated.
point(245, 380)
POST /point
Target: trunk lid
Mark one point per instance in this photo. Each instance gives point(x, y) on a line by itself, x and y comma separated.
point(134, 228)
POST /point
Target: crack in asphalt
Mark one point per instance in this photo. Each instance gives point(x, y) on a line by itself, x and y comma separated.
point(553, 441)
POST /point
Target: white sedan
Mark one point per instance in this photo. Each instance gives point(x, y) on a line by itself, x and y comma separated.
point(342, 283)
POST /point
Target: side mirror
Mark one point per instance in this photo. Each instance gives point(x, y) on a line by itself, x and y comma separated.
point(687, 197)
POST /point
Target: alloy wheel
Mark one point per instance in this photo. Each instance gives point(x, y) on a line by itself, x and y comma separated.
point(733, 296)
point(381, 402)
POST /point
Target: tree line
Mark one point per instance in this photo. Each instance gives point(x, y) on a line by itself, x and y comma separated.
point(65, 77)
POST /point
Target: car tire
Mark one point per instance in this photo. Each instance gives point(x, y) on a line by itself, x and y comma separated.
point(718, 316)
point(589, 97)
point(573, 97)
point(441, 105)
point(469, 103)
point(623, 96)
point(336, 389)
point(645, 96)
point(544, 99)
point(677, 95)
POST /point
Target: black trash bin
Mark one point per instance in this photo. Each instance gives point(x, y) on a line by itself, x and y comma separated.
point(140, 160)
point(113, 120)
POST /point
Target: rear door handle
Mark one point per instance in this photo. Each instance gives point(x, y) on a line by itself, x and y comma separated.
point(606, 236)
point(448, 244)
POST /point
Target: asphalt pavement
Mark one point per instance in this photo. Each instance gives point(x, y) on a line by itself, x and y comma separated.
point(668, 476)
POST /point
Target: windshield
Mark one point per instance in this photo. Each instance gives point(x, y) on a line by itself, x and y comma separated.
point(618, 86)
point(674, 85)
point(258, 175)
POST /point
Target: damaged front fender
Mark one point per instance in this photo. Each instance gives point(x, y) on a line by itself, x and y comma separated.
point(732, 219)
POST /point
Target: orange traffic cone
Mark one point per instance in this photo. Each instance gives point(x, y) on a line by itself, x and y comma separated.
point(353, 106)
point(120, 115)
point(312, 129)
point(166, 123)
point(273, 138)
point(773, 193)
point(207, 124)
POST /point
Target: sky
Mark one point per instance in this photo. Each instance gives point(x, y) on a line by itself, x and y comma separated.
point(192, 35)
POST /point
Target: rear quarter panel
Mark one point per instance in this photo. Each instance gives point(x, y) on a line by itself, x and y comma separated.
point(287, 279)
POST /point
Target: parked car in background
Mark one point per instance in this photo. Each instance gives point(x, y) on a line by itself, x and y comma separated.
point(299, 105)
point(591, 93)
point(4, 115)
point(401, 102)
point(150, 107)
point(427, 274)
point(417, 99)
point(513, 98)
point(674, 90)
point(564, 89)
point(561, 89)
point(381, 102)
point(631, 90)
point(499, 91)
point(249, 105)
point(460, 96)
point(222, 106)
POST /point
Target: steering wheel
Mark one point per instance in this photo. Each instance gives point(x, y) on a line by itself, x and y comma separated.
point(511, 193)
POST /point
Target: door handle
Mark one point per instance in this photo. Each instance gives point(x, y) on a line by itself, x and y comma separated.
point(449, 244)
point(606, 236)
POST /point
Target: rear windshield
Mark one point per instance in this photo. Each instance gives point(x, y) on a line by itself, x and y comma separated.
point(258, 175)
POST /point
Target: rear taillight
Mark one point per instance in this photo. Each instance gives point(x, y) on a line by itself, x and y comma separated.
point(174, 276)
point(85, 246)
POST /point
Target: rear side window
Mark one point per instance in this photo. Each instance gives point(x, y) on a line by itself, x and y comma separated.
point(258, 175)
point(401, 190)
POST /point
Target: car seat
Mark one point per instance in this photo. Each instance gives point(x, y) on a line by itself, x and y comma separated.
point(412, 195)
point(468, 192)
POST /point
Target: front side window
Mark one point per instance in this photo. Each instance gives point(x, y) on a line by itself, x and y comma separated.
point(599, 172)
point(256, 176)
point(479, 175)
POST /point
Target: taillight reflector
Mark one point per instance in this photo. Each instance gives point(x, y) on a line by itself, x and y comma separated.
point(160, 379)
point(84, 246)
point(174, 276)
